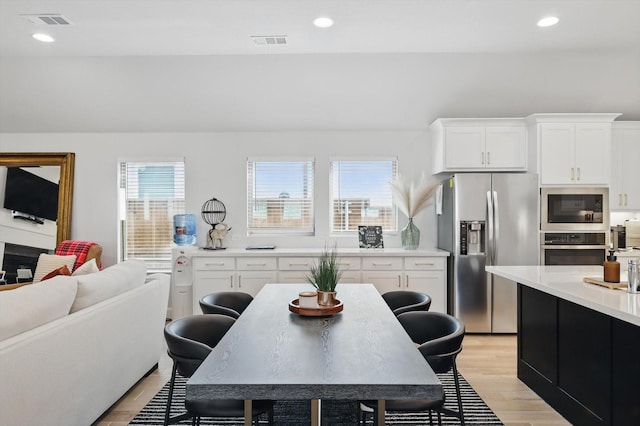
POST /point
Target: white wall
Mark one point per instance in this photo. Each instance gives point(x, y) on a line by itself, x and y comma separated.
point(306, 92)
point(216, 167)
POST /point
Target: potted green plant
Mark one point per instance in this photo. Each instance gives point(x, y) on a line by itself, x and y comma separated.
point(324, 276)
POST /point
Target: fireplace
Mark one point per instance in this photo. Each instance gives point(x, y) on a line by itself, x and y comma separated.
point(19, 257)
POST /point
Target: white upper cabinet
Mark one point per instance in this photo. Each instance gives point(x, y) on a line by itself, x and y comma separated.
point(624, 193)
point(506, 148)
point(467, 144)
point(574, 149)
point(574, 153)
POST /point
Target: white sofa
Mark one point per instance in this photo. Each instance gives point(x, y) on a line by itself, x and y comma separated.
point(70, 370)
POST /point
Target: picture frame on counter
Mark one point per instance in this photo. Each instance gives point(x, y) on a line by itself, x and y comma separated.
point(370, 237)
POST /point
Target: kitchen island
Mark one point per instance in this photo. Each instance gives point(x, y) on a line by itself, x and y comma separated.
point(578, 343)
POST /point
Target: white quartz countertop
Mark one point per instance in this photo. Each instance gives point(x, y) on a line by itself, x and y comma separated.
point(399, 252)
point(566, 283)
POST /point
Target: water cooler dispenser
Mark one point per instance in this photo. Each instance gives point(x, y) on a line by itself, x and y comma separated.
point(181, 285)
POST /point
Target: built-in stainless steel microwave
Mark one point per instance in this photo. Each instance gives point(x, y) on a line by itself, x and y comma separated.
point(574, 209)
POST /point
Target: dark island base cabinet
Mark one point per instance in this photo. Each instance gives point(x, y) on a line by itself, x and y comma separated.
point(585, 364)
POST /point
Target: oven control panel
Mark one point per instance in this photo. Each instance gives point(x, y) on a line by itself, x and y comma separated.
point(573, 238)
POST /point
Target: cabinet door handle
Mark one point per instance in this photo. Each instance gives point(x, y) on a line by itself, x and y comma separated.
point(239, 281)
point(407, 281)
point(482, 158)
point(256, 264)
point(424, 264)
point(572, 176)
point(578, 173)
point(230, 281)
point(381, 264)
point(625, 200)
point(299, 264)
point(620, 200)
point(399, 281)
point(488, 157)
point(214, 264)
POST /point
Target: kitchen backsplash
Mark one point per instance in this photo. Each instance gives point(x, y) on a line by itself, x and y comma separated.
point(618, 218)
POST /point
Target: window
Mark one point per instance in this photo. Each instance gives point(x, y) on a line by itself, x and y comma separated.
point(150, 193)
point(280, 196)
point(361, 194)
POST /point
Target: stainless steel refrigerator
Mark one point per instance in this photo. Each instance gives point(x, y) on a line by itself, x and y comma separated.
point(487, 219)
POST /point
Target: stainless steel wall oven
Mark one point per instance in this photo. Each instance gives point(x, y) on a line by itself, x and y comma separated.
point(573, 248)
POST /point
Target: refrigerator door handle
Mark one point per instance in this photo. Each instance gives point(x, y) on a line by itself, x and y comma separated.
point(496, 228)
point(489, 231)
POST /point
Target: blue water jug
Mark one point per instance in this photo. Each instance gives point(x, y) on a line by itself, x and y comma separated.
point(184, 229)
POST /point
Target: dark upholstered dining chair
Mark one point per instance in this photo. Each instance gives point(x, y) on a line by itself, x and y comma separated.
point(402, 301)
point(189, 341)
point(230, 303)
point(440, 341)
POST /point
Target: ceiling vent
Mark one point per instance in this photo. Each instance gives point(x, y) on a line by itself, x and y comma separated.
point(271, 40)
point(51, 19)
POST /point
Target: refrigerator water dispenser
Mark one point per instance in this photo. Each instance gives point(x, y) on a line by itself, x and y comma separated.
point(472, 237)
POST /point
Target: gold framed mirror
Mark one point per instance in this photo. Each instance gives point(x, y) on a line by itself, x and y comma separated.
point(66, 162)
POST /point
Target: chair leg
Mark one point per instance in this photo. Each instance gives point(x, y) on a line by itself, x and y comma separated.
point(170, 397)
point(457, 382)
point(167, 413)
point(430, 418)
point(439, 419)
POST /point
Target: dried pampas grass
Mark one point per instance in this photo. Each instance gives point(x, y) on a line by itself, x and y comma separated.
point(412, 196)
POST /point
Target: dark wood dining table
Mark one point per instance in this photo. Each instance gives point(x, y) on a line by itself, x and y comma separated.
point(271, 353)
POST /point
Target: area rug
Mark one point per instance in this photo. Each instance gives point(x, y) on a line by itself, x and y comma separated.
point(334, 413)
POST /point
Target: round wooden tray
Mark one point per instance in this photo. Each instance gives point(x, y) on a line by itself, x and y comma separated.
point(320, 311)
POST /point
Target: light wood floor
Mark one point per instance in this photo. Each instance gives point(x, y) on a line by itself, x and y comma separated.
point(488, 362)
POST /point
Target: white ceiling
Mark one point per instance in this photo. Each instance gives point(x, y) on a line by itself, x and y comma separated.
point(190, 65)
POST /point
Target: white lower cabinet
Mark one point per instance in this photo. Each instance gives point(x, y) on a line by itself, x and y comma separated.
point(427, 275)
point(245, 274)
point(294, 269)
point(252, 282)
point(430, 283)
point(205, 282)
point(350, 277)
point(211, 274)
point(235, 271)
point(298, 277)
point(254, 272)
point(385, 273)
point(384, 281)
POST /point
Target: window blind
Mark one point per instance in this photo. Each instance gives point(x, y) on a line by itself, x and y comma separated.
point(361, 194)
point(150, 193)
point(280, 196)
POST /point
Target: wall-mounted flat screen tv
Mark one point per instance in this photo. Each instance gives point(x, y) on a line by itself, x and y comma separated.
point(27, 193)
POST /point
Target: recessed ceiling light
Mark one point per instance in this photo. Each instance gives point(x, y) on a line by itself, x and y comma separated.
point(43, 37)
point(323, 22)
point(549, 21)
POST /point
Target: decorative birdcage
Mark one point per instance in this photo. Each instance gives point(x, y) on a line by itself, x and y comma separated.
point(214, 212)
